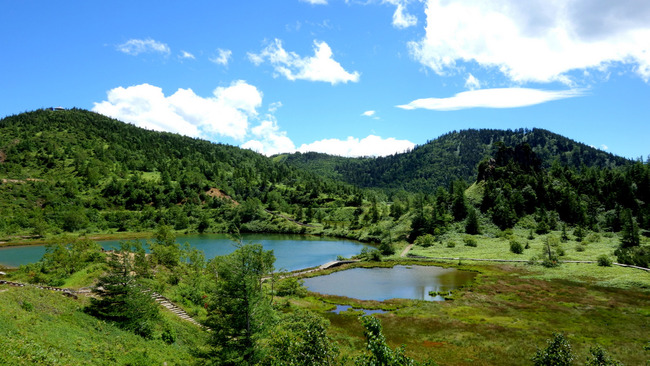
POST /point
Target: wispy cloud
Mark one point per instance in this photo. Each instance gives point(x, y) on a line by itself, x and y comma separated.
point(401, 18)
point(319, 67)
point(135, 47)
point(535, 41)
point(492, 98)
point(315, 2)
point(472, 83)
point(223, 57)
point(368, 113)
point(187, 55)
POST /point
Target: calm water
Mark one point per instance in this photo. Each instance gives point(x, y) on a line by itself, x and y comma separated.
point(292, 252)
point(403, 282)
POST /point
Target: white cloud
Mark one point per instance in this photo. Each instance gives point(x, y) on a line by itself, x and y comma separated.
point(269, 139)
point(537, 40)
point(226, 113)
point(320, 67)
point(223, 58)
point(135, 47)
point(402, 19)
point(185, 54)
point(315, 2)
point(354, 147)
point(492, 98)
point(368, 113)
point(472, 83)
point(604, 147)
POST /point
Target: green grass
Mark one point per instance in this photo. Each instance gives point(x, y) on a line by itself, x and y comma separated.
point(507, 314)
point(42, 327)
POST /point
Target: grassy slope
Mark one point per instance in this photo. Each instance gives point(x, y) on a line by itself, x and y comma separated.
point(55, 331)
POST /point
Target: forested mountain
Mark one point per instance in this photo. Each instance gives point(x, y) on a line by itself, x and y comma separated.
point(448, 158)
point(75, 169)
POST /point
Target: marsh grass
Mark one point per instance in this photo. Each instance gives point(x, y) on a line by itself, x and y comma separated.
point(509, 312)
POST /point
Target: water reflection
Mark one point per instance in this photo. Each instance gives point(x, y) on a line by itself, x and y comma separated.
point(404, 282)
point(343, 308)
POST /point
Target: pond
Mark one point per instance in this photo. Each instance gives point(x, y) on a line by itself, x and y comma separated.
point(292, 252)
point(403, 282)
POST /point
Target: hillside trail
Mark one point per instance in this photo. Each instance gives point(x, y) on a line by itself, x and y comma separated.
point(406, 250)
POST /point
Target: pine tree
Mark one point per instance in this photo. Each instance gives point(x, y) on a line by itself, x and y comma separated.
point(629, 231)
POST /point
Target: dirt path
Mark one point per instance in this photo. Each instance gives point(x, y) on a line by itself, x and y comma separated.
point(406, 250)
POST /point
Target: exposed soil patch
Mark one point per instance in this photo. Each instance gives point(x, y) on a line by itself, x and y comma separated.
point(217, 193)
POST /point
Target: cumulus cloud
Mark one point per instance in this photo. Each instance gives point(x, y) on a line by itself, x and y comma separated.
point(315, 2)
point(185, 54)
point(135, 47)
point(226, 113)
point(538, 40)
point(492, 98)
point(368, 113)
point(269, 140)
point(320, 67)
point(223, 57)
point(354, 147)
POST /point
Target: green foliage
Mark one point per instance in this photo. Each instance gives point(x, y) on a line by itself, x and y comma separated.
point(425, 240)
point(165, 250)
point(558, 352)
point(370, 254)
point(121, 297)
point(629, 231)
point(379, 351)
point(471, 223)
point(604, 261)
point(291, 286)
point(240, 311)
point(300, 338)
point(636, 256)
point(470, 241)
point(516, 247)
point(598, 357)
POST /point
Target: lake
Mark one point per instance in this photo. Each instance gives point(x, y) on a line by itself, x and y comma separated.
point(402, 282)
point(292, 252)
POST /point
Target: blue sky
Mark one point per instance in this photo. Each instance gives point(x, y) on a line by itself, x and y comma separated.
point(350, 78)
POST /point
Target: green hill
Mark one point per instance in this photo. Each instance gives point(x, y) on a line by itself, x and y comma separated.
point(77, 170)
point(448, 158)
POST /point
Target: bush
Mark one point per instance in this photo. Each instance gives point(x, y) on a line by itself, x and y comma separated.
point(557, 353)
point(470, 241)
point(451, 244)
point(425, 240)
point(516, 247)
point(604, 261)
point(291, 287)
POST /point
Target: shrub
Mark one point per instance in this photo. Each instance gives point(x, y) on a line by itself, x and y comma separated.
point(291, 287)
point(604, 261)
point(27, 306)
point(470, 241)
point(516, 247)
point(425, 240)
point(580, 248)
point(598, 357)
point(451, 244)
point(592, 238)
point(557, 353)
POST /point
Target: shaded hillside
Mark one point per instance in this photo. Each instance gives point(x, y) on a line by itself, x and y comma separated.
point(450, 157)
